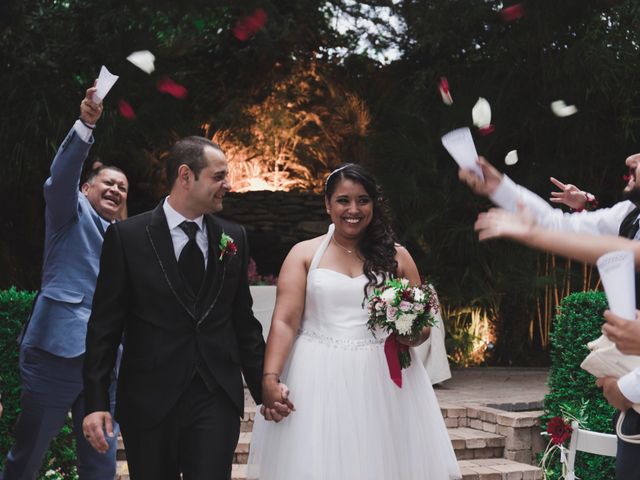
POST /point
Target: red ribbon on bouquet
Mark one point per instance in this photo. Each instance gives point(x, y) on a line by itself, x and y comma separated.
point(392, 350)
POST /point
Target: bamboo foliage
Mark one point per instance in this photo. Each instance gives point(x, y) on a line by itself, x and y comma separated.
point(563, 277)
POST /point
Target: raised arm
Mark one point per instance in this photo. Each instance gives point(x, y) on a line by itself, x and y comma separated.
point(61, 188)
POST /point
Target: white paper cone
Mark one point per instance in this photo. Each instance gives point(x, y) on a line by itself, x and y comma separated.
point(618, 278)
point(106, 80)
point(459, 144)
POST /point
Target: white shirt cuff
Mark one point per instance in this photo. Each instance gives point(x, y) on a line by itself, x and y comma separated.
point(506, 194)
point(83, 131)
point(629, 385)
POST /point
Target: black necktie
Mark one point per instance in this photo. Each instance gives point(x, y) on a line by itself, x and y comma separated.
point(634, 229)
point(191, 261)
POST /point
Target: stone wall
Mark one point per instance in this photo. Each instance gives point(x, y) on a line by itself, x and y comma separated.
point(275, 221)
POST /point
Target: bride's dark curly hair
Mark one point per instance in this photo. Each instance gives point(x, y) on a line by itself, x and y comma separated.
point(377, 245)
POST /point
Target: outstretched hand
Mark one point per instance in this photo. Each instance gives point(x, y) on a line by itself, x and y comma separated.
point(90, 109)
point(492, 178)
point(499, 223)
point(624, 333)
point(569, 195)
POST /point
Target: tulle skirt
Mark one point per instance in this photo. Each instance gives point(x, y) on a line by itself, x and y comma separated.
point(351, 421)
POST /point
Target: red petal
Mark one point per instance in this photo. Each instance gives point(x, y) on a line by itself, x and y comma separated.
point(486, 130)
point(166, 85)
point(444, 84)
point(509, 14)
point(247, 26)
point(126, 110)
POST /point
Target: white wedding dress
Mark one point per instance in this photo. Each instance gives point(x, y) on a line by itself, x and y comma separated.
point(351, 421)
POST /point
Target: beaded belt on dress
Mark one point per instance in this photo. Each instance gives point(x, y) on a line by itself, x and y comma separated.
point(343, 343)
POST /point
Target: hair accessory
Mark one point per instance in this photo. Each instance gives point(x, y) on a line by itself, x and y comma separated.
point(335, 171)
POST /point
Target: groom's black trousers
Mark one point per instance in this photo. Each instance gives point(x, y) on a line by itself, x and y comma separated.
point(197, 438)
point(628, 455)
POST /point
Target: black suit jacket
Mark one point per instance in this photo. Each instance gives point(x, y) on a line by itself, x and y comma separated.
point(140, 294)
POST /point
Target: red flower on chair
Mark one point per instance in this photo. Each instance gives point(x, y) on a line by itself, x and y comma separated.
point(559, 430)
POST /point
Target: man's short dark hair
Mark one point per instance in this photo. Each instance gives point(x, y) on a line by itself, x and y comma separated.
point(96, 171)
point(187, 151)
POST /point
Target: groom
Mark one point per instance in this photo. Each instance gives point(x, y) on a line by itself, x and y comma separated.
point(173, 284)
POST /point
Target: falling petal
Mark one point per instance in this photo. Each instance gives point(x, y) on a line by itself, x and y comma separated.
point(560, 109)
point(143, 59)
point(628, 176)
point(443, 88)
point(126, 110)
point(481, 113)
point(248, 26)
point(484, 131)
point(511, 158)
point(166, 85)
point(514, 12)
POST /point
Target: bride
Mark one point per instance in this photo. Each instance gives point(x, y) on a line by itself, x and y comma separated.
point(350, 421)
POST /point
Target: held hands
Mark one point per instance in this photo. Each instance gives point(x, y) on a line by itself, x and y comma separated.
point(90, 110)
point(492, 178)
point(612, 393)
point(93, 426)
point(624, 333)
point(569, 195)
point(498, 223)
point(275, 400)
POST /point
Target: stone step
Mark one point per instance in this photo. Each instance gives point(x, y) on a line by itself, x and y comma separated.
point(472, 444)
point(479, 469)
point(498, 469)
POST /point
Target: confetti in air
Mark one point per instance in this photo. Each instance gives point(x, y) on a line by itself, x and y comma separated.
point(560, 109)
point(126, 110)
point(144, 60)
point(511, 158)
point(443, 88)
point(512, 13)
point(166, 85)
point(481, 115)
point(248, 26)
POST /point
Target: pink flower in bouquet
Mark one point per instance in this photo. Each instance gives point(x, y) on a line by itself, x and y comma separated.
point(391, 313)
point(405, 306)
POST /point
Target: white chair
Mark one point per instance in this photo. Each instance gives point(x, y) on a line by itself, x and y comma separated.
point(590, 442)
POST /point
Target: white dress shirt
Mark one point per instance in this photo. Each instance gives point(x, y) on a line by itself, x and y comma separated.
point(179, 237)
point(604, 221)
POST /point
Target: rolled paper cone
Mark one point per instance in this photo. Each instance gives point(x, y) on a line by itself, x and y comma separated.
point(459, 144)
point(618, 278)
point(106, 80)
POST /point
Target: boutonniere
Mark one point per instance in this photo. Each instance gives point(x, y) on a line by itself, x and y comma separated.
point(227, 246)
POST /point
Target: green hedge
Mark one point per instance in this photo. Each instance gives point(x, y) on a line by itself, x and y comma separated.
point(572, 389)
point(15, 307)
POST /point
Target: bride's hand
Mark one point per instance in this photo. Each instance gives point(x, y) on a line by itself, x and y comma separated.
point(415, 340)
point(498, 223)
point(276, 404)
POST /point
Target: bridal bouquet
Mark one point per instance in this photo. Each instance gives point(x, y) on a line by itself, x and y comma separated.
point(401, 309)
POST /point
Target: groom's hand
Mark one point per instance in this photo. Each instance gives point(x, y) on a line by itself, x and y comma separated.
point(93, 426)
point(624, 333)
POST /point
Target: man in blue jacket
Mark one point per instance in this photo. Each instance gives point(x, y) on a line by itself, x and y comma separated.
point(53, 342)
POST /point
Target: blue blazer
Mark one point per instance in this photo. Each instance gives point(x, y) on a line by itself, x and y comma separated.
point(73, 243)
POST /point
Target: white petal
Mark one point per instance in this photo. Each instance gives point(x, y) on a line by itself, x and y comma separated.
point(481, 113)
point(446, 97)
point(560, 109)
point(143, 59)
point(511, 158)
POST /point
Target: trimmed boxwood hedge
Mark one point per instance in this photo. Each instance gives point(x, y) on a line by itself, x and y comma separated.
point(579, 321)
point(15, 307)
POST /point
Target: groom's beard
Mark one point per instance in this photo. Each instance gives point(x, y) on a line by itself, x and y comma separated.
point(632, 195)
